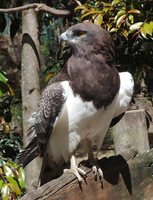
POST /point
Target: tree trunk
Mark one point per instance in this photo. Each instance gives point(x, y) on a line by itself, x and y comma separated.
point(30, 84)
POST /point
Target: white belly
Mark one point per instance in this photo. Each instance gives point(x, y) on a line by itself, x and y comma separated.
point(78, 121)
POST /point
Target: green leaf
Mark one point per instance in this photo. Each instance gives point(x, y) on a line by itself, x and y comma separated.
point(106, 4)
point(1, 171)
point(120, 21)
point(131, 18)
point(21, 177)
point(143, 33)
point(8, 171)
point(121, 12)
point(1, 184)
point(3, 78)
point(14, 186)
point(5, 192)
point(81, 8)
point(135, 26)
point(148, 29)
point(151, 24)
point(115, 2)
point(98, 20)
point(113, 30)
point(90, 13)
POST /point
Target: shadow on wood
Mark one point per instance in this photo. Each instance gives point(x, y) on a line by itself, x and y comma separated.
point(113, 167)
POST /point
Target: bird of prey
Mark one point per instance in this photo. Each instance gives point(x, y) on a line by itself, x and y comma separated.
point(79, 104)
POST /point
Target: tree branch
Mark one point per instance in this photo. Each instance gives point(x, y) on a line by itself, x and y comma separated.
point(38, 7)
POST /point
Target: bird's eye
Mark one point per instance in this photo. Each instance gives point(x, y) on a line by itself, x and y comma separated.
point(80, 33)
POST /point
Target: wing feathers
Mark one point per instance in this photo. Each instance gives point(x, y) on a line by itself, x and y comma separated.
point(50, 105)
point(29, 153)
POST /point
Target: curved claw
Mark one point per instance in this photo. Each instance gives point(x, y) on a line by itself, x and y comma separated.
point(74, 169)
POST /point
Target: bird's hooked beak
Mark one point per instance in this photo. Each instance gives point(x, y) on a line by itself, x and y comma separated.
point(63, 37)
point(62, 41)
point(64, 47)
point(66, 36)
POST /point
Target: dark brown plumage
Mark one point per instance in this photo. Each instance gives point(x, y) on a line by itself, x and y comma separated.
point(91, 67)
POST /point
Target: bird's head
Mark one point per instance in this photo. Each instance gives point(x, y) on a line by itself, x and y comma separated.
point(88, 37)
point(85, 32)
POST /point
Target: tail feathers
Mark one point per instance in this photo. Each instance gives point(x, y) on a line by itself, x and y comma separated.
point(29, 153)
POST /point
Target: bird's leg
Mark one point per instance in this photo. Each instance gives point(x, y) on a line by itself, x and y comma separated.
point(75, 169)
point(92, 162)
point(95, 167)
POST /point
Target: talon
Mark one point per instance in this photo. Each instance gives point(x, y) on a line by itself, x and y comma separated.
point(94, 169)
point(75, 170)
point(100, 174)
point(81, 171)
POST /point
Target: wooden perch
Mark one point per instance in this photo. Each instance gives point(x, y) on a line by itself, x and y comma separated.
point(38, 7)
point(122, 180)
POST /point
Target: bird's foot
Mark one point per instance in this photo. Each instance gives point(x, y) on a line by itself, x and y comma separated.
point(78, 172)
point(98, 173)
point(95, 168)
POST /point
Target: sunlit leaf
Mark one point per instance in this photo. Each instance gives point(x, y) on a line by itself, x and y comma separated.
point(1, 184)
point(151, 24)
point(90, 13)
point(120, 20)
point(143, 33)
point(120, 13)
point(5, 191)
point(14, 186)
point(98, 20)
point(115, 2)
point(105, 10)
point(135, 26)
point(134, 11)
point(131, 18)
point(3, 78)
point(106, 4)
point(148, 29)
point(8, 171)
point(82, 7)
point(21, 177)
point(113, 30)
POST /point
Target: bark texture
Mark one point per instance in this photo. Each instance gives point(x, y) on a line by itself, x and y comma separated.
point(30, 84)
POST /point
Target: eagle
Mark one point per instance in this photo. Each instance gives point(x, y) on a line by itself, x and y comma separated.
point(79, 104)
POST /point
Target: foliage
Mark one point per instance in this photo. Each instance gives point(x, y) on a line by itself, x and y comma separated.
point(12, 180)
point(122, 17)
point(10, 142)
